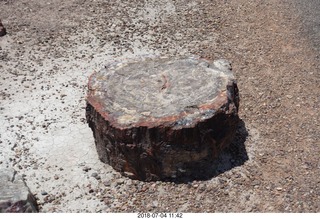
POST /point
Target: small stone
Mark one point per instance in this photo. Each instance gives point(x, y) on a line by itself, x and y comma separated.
point(120, 181)
point(56, 177)
point(44, 193)
point(279, 189)
point(95, 175)
point(107, 183)
point(155, 203)
point(128, 174)
point(202, 187)
point(2, 30)
point(86, 169)
point(106, 201)
point(255, 183)
point(129, 182)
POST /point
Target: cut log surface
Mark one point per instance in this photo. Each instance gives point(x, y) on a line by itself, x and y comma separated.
point(164, 118)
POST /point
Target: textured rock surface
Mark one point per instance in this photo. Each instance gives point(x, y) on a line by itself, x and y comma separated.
point(15, 196)
point(163, 118)
point(2, 29)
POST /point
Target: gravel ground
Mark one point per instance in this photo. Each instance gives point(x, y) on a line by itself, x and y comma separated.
point(51, 48)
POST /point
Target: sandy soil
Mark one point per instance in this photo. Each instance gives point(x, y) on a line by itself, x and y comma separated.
point(51, 48)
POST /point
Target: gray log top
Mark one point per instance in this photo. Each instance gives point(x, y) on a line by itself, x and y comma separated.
point(178, 92)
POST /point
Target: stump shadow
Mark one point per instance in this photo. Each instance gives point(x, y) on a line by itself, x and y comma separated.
point(231, 157)
point(236, 154)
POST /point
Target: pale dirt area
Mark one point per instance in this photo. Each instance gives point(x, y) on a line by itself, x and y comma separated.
point(51, 48)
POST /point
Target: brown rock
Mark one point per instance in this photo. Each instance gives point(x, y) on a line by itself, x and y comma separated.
point(15, 196)
point(2, 30)
point(165, 118)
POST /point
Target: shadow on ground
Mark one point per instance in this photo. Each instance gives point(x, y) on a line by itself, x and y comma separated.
point(231, 157)
point(236, 154)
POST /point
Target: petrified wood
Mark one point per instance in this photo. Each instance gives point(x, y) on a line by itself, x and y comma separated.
point(164, 118)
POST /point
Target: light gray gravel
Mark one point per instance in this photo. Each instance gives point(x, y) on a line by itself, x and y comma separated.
point(51, 48)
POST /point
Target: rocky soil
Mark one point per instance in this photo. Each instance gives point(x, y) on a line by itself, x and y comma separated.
point(51, 47)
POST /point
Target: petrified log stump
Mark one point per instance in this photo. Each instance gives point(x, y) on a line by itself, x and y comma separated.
point(166, 118)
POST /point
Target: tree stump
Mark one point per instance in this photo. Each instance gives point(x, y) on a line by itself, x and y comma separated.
point(165, 118)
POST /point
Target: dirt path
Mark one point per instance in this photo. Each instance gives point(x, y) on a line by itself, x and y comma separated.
point(52, 46)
